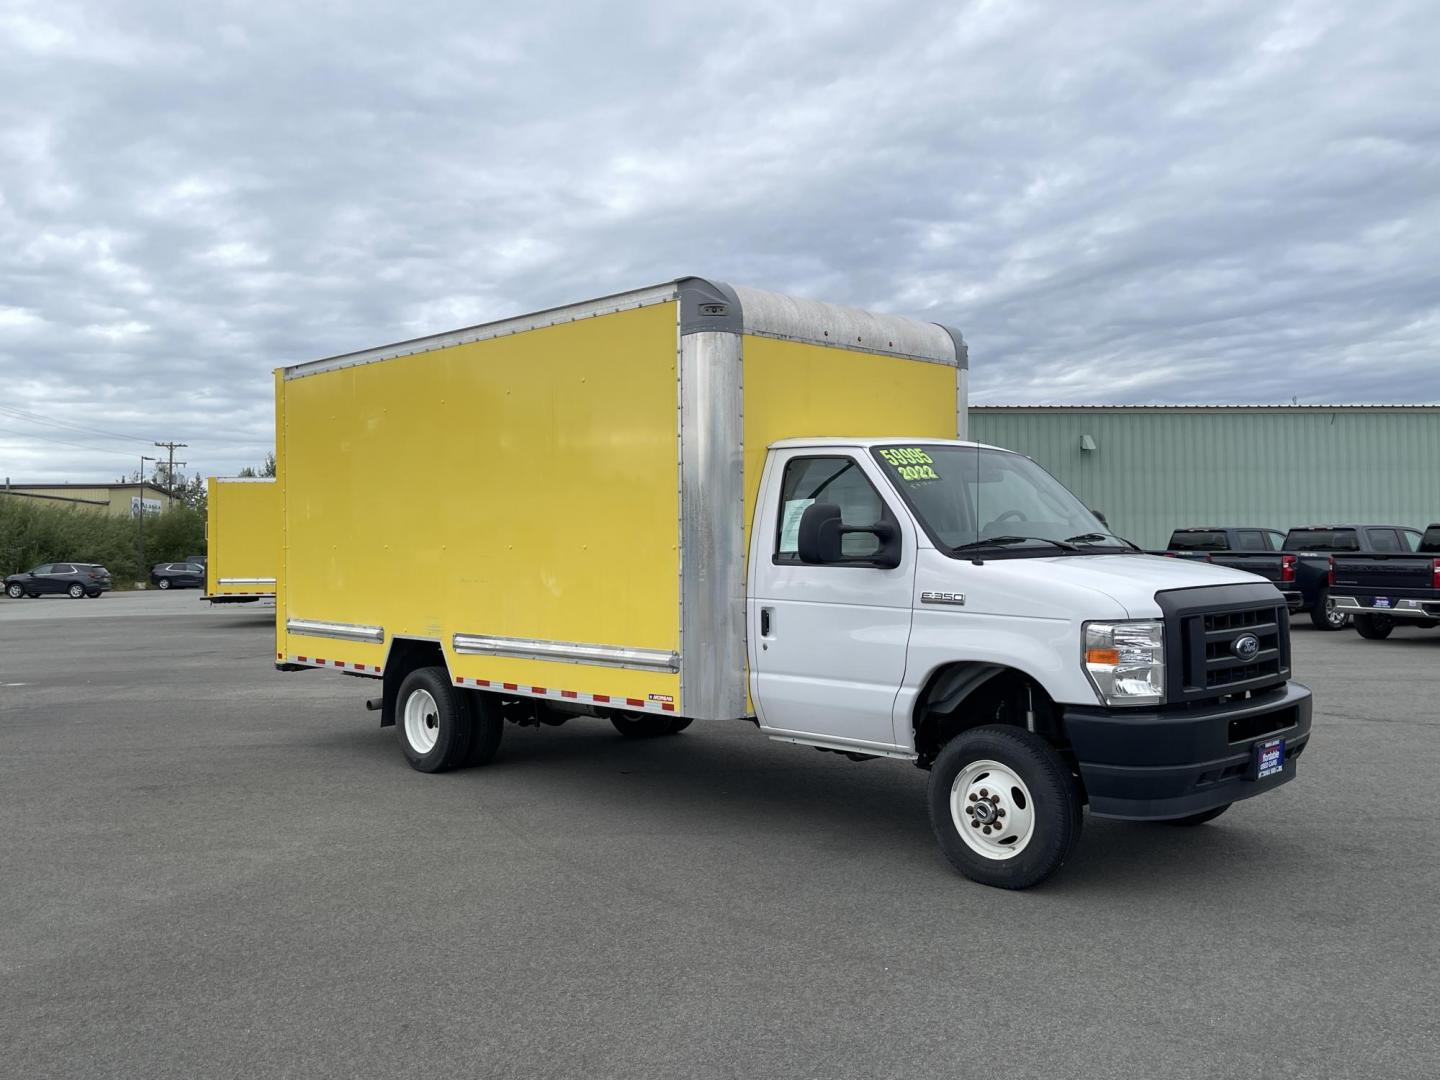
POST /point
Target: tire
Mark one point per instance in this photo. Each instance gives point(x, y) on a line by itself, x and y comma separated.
point(15, 592)
point(487, 726)
point(434, 721)
point(639, 725)
point(1200, 818)
point(1037, 793)
point(163, 583)
point(1324, 617)
point(76, 591)
point(93, 595)
point(1374, 627)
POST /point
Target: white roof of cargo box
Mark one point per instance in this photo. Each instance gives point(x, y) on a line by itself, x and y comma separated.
point(707, 306)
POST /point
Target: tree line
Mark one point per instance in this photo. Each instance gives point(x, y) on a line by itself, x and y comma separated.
point(32, 533)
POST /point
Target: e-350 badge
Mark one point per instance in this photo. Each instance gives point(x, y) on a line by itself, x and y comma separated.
point(956, 598)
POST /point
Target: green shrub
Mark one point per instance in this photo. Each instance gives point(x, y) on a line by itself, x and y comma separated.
point(32, 533)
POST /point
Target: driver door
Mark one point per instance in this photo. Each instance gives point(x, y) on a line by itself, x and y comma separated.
point(827, 643)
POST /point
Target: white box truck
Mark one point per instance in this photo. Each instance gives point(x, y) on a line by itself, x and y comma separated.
point(698, 502)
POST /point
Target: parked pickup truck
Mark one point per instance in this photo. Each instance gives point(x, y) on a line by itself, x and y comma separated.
point(1256, 551)
point(689, 504)
point(1316, 548)
point(1381, 587)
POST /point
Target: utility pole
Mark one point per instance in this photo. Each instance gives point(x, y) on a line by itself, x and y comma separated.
point(141, 516)
point(170, 471)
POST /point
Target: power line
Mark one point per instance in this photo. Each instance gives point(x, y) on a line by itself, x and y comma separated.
point(65, 442)
point(36, 418)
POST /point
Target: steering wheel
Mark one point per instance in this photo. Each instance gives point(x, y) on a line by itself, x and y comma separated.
point(1009, 515)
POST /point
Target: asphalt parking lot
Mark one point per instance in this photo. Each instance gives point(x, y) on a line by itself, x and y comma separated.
point(211, 869)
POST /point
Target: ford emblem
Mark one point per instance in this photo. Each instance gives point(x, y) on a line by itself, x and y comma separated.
point(1246, 646)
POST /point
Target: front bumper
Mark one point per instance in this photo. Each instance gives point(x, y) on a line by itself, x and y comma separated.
point(1172, 762)
point(1400, 608)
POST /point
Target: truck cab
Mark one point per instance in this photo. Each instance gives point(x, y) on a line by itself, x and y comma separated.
point(905, 595)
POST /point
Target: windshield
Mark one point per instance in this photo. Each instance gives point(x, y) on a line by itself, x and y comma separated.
point(966, 496)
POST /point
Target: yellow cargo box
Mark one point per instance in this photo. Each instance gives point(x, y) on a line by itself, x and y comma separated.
point(557, 506)
point(243, 538)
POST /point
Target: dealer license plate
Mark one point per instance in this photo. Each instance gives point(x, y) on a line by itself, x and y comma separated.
point(1267, 758)
point(1381, 602)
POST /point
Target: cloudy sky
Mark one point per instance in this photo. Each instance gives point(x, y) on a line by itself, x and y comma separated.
point(1199, 202)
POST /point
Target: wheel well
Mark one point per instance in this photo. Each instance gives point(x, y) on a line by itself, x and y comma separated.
point(406, 654)
point(958, 697)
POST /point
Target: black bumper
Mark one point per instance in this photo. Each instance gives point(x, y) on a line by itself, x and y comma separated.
point(1172, 762)
point(1293, 600)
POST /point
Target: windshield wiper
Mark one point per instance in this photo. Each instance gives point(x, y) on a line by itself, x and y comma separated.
point(1095, 538)
point(997, 541)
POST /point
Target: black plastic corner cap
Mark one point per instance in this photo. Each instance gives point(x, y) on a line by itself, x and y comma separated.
point(708, 306)
point(962, 351)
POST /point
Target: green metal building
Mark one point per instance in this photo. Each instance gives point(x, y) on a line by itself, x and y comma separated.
point(1151, 469)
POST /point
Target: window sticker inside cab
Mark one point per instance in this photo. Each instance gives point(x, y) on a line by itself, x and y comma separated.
point(912, 463)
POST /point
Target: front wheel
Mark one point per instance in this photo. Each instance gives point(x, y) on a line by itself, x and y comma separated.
point(1374, 627)
point(76, 591)
point(163, 583)
point(1325, 617)
point(639, 725)
point(1004, 806)
point(15, 592)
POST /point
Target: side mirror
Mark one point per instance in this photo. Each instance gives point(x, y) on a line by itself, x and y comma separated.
point(822, 530)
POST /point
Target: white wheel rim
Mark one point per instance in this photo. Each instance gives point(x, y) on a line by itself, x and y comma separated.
point(76, 591)
point(422, 721)
point(164, 583)
point(992, 810)
point(15, 591)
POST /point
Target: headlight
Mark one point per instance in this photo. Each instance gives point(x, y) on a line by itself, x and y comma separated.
point(1126, 661)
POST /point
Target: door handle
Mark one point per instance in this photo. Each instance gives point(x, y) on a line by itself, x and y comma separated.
point(765, 614)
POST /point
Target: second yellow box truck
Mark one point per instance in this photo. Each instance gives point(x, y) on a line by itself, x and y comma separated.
point(698, 502)
point(242, 529)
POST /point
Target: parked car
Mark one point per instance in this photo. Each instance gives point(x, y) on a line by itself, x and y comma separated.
point(72, 579)
point(1384, 587)
point(178, 575)
point(1315, 548)
point(1256, 551)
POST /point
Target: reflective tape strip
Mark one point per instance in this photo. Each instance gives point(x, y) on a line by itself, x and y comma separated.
point(657, 703)
point(322, 662)
point(343, 631)
point(654, 703)
point(246, 580)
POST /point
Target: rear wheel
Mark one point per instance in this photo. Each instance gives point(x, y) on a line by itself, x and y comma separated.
point(163, 583)
point(15, 592)
point(435, 723)
point(1004, 807)
point(639, 725)
point(76, 591)
point(1374, 627)
point(1200, 818)
point(1325, 617)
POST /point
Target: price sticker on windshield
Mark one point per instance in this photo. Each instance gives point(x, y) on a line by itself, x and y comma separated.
point(912, 463)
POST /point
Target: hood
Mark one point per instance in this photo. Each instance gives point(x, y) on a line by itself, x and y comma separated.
point(1130, 580)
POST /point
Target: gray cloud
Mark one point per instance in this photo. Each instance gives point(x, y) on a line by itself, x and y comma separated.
point(1118, 203)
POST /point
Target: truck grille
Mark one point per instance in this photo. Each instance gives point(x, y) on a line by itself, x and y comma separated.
point(1202, 650)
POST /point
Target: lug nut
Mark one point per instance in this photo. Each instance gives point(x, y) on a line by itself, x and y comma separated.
point(974, 824)
point(987, 830)
point(999, 812)
point(973, 797)
point(984, 794)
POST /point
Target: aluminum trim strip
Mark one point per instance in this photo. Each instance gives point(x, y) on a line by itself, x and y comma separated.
point(589, 309)
point(246, 581)
point(340, 631)
point(243, 479)
point(791, 318)
point(567, 652)
point(712, 516)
